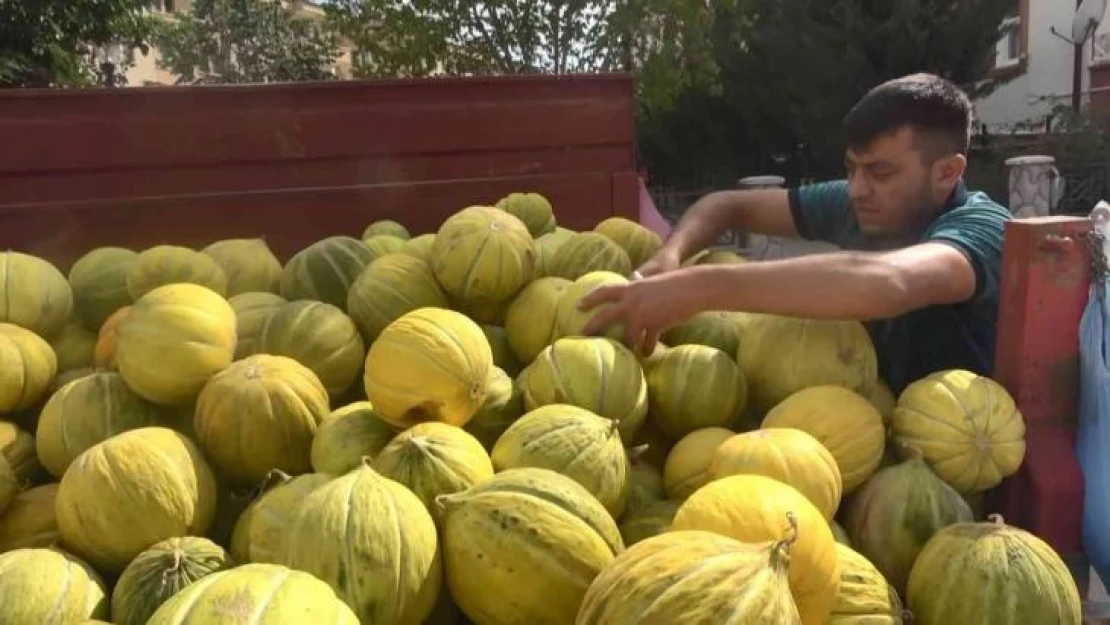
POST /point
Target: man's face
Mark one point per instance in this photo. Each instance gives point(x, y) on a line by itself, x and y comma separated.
point(894, 191)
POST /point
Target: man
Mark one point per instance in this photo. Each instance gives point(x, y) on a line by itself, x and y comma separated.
point(920, 257)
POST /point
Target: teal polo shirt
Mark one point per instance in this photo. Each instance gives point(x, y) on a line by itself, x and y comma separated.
point(960, 336)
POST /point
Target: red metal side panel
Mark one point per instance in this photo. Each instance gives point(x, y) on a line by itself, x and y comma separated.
point(1045, 281)
point(298, 162)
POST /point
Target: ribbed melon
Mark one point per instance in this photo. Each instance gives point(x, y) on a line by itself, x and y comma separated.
point(74, 346)
point(49, 586)
point(269, 593)
point(865, 597)
point(687, 464)
point(483, 256)
point(420, 247)
point(753, 508)
point(597, 374)
point(651, 519)
point(320, 337)
point(9, 485)
point(29, 521)
point(433, 459)
point(325, 270)
point(845, 423)
point(570, 320)
point(524, 546)
point(390, 287)
point(714, 257)
point(252, 309)
point(532, 209)
point(788, 455)
point(965, 563)
point(354, 532)
point(174, 339)
point(586, 252)
point(87, 411)
point(18, 447)
point(713, 328)
point(104, 353)
point(695, 386)
point(263, 529)
point(694, 577)
point(573, 441)
point(966, 426)
point(173, 264)
point(260, 414)
point(383, 245)
point(530, 319)
point(160, 572)
point(347, 435)
point(386, 227)
point(430, 365)
point(27, 365)
point(503, 405)
point(639, 242)
point(503, 355)
point(33, 294)
point(645, 482)
point(99, 283)
point(152, 481)
point(546, 246)
point(249, 264)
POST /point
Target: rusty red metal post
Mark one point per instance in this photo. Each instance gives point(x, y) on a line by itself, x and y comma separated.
point(1044, 290)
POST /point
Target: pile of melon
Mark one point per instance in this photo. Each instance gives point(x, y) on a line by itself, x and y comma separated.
point(396, 429)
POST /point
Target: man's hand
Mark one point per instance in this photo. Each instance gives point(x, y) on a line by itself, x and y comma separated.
point(646, 307)
point(663, 261)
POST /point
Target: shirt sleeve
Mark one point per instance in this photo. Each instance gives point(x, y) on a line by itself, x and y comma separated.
point(977, 231)
point(821, 211)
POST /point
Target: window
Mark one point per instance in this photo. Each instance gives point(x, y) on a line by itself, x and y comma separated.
point(1008, 50)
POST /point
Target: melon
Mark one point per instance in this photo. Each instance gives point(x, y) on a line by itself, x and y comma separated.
point(173, 264)
point(74, 346)
point(895, 514)
point(252, 309)
point(382, 245)
point(420, 247)
point(269, 593)
point(637, 241)
point(347, 435)
point(390, 287)
point(783, 355)
point(645, 482)
point(883, 399)
point(325, 270)
point(524, 546)
point(597, 374)
point(160, 572)
point(503, 405)
point(18, 448)
point(386, 227)
point(531, 317)
point(433, 459)
point(532, 209)
point(547, 245)
point(1031, 582)
point(104, 353)
point(713, 328)
point(652, 445)
point(9, 485)
point(788, 455)
point(374, 542)
point(87, 411)
point(29, 521)
point(49, 586)
point(754, 508)
point(865, 597)
point(503, 356)
point(570, 320)
point(99, 284)
point(320, 337)
point(694, 577)
point(586, 252)
point(152, 481)
point(573, 441)
point(431, 364)
point(33, 294)
point(249, 264)
point(483, 256)
point(687, 463)
point(650, 519)
point(65, 377)
point(260, 414)
point(263, 529)
point(27, 366)
point(966, 426)
point(695, 386)
point(174, 339)
point(845, 423)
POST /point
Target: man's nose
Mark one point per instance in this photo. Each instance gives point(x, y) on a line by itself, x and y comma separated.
point(858, 186)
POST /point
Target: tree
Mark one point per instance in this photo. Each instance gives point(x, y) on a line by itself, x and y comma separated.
point(246, 41)
point(45, 43)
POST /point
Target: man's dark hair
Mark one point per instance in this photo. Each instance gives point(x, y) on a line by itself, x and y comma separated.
point(937, 110)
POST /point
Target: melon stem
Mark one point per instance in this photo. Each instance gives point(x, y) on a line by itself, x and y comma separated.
point(996, 519)
point(780, 551)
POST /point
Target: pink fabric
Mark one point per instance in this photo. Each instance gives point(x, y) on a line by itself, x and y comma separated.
point(649, 215)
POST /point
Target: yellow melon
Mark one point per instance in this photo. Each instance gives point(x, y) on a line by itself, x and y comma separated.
point(249, 264)
point(433, 459)
point(483, 256)
point(570, 320)
point(173, 264)
point(27, 366)
point(49, 586)
point(532, 209)
point(383, 245)
point(347, 435)
point(639, 242)
point(687, 464)
point(29, 520)
point(33, 294)
point(531, 317)
point(864, 597)
point(420, 247)
point(104, 353)
point(18, 447)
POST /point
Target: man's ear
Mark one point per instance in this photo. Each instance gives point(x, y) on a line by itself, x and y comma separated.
point(950, 169)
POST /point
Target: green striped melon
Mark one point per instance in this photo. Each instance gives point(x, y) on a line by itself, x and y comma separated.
point(99, 283)
point(160, 572)
point(391, 286)
point(585, 252)
point(533, 209)
point(483, 257)
point(325, 270)
point(173, 264)
point(320, 337)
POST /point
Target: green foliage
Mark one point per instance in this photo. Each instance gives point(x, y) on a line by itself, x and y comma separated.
point(47, 43)
point(245, 41)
